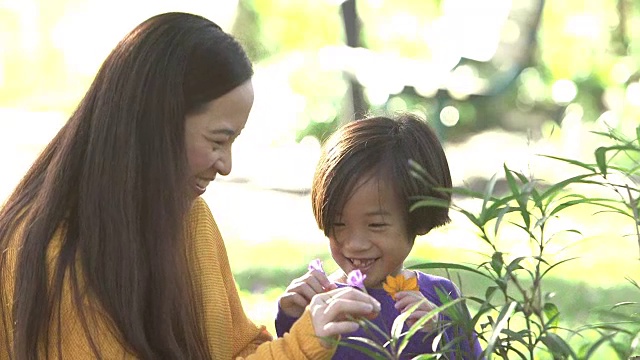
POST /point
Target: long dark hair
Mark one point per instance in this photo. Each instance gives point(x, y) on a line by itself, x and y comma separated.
point(113, 181)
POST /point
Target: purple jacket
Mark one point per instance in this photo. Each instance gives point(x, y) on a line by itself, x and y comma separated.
point(419, 344)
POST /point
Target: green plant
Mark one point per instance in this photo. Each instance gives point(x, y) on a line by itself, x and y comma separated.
point(396, 339)
point(616, 169)
point(515, 317)
point(527, 321)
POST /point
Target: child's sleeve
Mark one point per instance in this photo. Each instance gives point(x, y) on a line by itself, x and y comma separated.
point(284, 322)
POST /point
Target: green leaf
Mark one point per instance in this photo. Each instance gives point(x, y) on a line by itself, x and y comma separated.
point(423, 320)
point(497, 262)
point(488, 294)
point(573, 162)
point(515, 264)
point(552, 313)
point(501, 215)
point(554, 189)
point(557, 345)
point(624, 303)
point(426, 357)
point(489, 191)
point(398, 323)
point(429, 202)
point(511, 181)
point(517, 336)
point(442, 265)
point(601, 159)
point(597, 344)
point(600, 155)
point(367, 350)
point(421, 173)
point(501, 322)
point(556, 264)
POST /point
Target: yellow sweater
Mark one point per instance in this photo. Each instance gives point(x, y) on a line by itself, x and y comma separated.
point(230, 333)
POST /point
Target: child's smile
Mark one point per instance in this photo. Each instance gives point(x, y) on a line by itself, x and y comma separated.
point(370, 233)
point(363, 264)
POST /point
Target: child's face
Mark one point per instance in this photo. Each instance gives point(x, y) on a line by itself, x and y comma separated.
point(370, 234)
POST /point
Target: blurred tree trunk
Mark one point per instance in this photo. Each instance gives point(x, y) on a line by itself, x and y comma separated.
point(352, 27)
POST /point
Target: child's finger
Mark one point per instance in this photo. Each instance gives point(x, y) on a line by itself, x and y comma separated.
point(429, 325)
point(315, 281)
point(304, 289)
point(406, 299)
point(323, 280)
point(293, 304)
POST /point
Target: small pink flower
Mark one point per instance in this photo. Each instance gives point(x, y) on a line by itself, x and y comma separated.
point(356, 279)
point(316, 264)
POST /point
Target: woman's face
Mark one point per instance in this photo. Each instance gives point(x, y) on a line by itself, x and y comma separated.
point(211, 132)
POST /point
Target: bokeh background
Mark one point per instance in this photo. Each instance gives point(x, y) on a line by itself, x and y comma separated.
point(501, 81)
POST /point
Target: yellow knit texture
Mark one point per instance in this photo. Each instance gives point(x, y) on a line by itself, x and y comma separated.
point(231, 335)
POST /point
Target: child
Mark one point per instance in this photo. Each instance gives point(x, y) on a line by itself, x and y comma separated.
point(361, 194)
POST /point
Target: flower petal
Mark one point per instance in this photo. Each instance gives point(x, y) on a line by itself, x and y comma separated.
point(411, 284)
point(391, 282)
point(316, 264)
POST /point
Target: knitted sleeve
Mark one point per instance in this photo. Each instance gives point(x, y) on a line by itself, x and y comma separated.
point(229, 332)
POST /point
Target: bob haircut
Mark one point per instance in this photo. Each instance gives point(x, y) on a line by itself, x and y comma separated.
point(381, 147)
point(115, 180)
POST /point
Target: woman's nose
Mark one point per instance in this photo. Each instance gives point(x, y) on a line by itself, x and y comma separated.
point(223, 165)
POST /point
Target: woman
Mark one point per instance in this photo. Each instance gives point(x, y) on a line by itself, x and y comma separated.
point(107, 250)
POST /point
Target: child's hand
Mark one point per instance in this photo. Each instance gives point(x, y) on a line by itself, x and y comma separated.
point(406, 299)
point(299, 293)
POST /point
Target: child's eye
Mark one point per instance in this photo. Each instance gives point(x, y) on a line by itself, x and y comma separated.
point(378, 225)
point(338, 224)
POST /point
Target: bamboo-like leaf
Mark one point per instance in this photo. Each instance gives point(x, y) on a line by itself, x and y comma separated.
point(596, 345)
point(570, 203)
point(488, 294)
point(429, 202)
point(635, 343)
point(497, 263)
point(572, 162)
point(517, 336)
point(632, 281)
point(557, 345)
point(555, 188)
point(552, 313)
point(511, 181)
point(381, 354)
point(515, 264)
point(501, 322)
point(369, 325)
point(601, 160)
point(398, 323)
point(488, 192)
point(501, 215)
point(421, 172)
point(624, 303)
point(638, 134)
point(423, 320)
point(443, 265)
point(426, 357)
point(556, 264)
point(600, 155)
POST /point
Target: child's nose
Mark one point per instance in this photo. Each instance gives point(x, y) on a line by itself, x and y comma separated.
point(357, 242)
